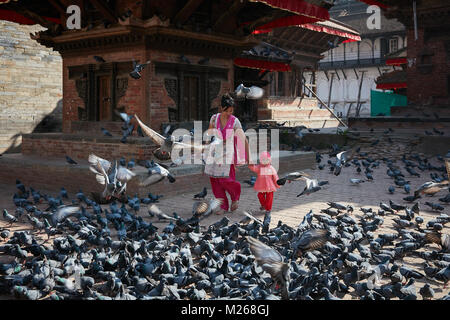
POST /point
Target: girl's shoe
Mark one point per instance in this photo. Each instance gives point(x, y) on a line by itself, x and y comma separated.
point(234, 206)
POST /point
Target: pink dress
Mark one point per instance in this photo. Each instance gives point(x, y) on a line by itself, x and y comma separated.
point(267, 178)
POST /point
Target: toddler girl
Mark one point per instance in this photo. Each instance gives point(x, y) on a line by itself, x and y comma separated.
point(266, 182)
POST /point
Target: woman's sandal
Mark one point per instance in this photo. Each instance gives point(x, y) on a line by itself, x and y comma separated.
point(234, 206)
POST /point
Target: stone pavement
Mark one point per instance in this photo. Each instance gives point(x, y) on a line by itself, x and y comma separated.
point(291, 209)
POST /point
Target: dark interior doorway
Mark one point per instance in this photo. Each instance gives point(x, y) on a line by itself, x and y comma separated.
point(190, 110)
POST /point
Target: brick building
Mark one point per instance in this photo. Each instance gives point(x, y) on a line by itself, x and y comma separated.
point(428, 55)
point(192, 45)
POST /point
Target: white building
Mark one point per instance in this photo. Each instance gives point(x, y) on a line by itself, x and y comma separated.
point(347, 73)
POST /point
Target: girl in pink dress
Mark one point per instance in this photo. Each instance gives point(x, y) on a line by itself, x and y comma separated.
point(266, 182)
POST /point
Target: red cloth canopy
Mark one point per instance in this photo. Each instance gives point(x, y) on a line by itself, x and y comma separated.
point(396, 61)
point(298, 7)
point(287, 21)
point(391, 86)
point(262, 64)
point(13, 16)
point(329, 30)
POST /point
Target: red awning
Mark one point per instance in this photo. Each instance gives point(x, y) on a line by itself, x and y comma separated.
point(287, 21)
point(391, 86)
point(262, 64)
point(315, 27)
point(374, 2)
point(13, 16)
point(298, 7)
point(349, 40)
point(396, 61)
point(6, 1)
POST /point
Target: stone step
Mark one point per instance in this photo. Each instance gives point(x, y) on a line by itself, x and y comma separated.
point(281, 102)
point(40, 172)
point(418, 123)
point(77, 146)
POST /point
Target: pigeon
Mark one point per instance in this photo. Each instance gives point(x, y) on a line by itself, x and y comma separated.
point(167, 145)
point(430, 188)
point(355, 181)
point(426, 292)
point(204, 208)
point(137, 69)
point(99, 59)
point(441, 239)
point(106, 132)
point(312, 185)
point(8, 217)
point(271, 261)
point(434, 206)
point(70, 160)
point(62, 213)
point(311, 240)
point(293, 176)
point(157, 173)
point(251, 182)
point(184, 59)
point(342, 158)
point(202, 194)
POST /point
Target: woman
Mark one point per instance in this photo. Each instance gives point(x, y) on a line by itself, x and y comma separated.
point(222, 172)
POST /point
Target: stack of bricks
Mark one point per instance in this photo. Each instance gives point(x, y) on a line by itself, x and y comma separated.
point(30, 83)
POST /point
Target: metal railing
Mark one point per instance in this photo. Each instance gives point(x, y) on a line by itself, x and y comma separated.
point(352, 63)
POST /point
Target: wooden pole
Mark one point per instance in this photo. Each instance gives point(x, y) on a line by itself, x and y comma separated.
point(359, 94)
point(331, 88)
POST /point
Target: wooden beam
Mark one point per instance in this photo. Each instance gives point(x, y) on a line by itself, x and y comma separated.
point(356, 74)
point(189, 8)
point(299, 44)
point(283, 32)
point(105, 10)
point(57, 6)
point(61, 10)
point(225, 17)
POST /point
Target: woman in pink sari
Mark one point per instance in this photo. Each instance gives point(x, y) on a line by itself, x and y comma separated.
point(222, 171)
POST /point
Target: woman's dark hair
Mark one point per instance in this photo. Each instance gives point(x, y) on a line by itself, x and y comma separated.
point(227, 101)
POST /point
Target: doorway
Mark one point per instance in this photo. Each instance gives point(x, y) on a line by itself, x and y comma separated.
point(191, 109)
point(104, 98)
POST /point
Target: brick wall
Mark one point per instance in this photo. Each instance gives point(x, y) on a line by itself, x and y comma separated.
point(429, 88)
point(30, 84)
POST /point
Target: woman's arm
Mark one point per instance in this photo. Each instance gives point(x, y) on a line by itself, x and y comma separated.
point(241, 137)
point(211, 122)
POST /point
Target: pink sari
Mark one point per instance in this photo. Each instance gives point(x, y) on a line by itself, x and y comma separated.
point(221, 185)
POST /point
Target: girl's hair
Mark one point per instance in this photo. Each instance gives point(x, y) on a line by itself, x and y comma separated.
point(227, 101)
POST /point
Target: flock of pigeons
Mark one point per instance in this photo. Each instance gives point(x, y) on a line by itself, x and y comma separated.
point(111, 252)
